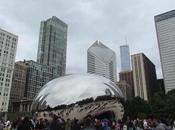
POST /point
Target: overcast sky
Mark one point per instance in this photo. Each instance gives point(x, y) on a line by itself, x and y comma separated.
point(110, 21)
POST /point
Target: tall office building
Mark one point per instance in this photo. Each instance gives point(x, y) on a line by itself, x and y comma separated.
point(51, 63)
point(144, 76)
point(8, 46)
point(165, 28)
point(126, 90)
point(37, 76)
point(28, 78)
point(125, 58)
point(52, 45)
point(161, 85)
point(18, 84)
point(101, 60)
point(127, 76)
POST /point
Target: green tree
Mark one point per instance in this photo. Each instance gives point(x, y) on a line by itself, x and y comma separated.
point(137, 108)
point(170, 104)
point(163, 105)
point(158, 104)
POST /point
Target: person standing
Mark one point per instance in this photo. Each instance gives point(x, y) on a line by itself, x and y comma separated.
point(25, 125)
point(68, 124)
point(39, 125)
point(75, 125)
point(54, 124)
point(1, 125)
point(88, 125)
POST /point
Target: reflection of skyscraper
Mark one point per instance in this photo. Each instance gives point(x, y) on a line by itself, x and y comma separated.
point(8, 46)
point(125, 58)
point(165, 27)
point(53, 44)
point(101, 60)
point(144, 76)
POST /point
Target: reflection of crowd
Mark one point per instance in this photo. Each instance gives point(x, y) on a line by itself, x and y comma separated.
point(90, 123)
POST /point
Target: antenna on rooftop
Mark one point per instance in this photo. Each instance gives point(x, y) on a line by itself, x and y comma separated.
point(126, 41)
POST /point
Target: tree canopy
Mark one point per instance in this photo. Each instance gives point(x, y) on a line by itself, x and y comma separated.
point(161, 105)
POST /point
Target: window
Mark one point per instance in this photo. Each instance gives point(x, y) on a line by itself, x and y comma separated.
point(14, 39)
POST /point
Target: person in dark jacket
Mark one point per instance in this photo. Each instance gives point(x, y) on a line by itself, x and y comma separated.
point(75, 125)
point(54, 124)
point(88, 125)
point(25, 125)
point(1, 125)
point(40, 125)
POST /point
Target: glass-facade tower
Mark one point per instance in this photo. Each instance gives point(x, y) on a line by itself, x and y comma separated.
point(125, 58)
point(52, 45)
point(101, 60)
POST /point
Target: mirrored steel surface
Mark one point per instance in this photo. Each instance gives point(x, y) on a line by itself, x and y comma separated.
point(73, 88)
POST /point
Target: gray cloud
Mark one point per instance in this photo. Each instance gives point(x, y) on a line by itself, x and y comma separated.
point(107, 20)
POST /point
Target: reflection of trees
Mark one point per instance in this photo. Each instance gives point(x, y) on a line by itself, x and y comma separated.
point(82, 102)
point(102, 98)
point(85, 101)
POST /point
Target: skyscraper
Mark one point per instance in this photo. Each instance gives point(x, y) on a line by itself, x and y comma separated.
point(165, 28)
point(18, 81)
point(126, 90)
point(127, 76)
point(101, 60)
point(51, 63)
point(28, 78)
point(144, 76)
point(52, 45)
point(125, 58)
point(8, 45)
point(37, 76)
point(18, 84)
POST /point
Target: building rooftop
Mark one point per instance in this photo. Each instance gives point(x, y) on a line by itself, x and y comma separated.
point(164, 16)
point(57, 20)
point(101, 51)
point(8, 32)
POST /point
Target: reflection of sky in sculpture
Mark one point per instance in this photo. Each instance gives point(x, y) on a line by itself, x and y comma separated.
point(72, 88)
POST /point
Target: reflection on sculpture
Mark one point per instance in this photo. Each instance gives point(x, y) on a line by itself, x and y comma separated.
point(78, 96)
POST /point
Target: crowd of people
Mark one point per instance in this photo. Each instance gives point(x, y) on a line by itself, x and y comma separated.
point(58, 123)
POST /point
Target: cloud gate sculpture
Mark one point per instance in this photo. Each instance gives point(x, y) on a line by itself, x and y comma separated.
point(78, 96)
